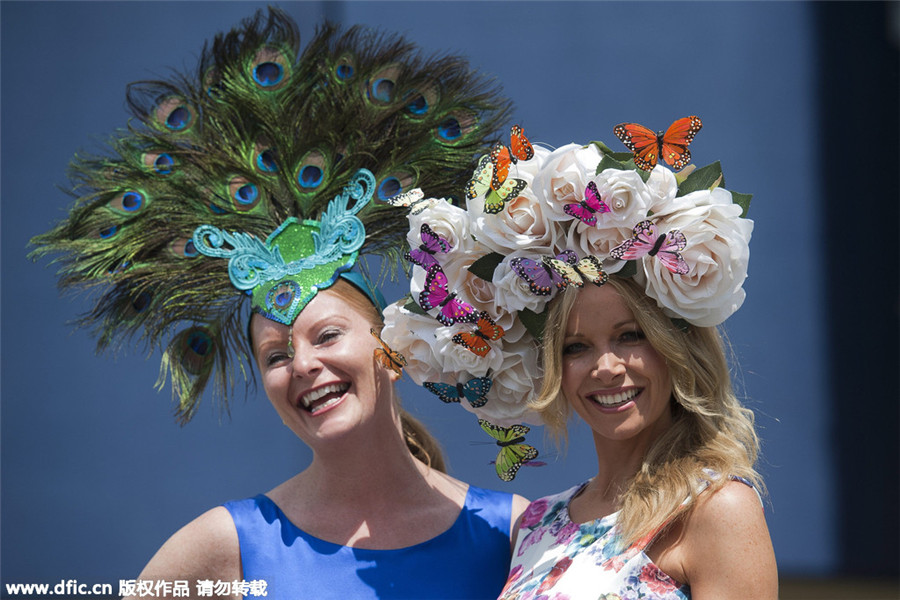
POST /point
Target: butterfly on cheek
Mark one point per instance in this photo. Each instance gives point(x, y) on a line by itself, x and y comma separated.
point(541, 278)
point(646, 241)
point(474, 391)
point(432, 243)
point(437, 295)
point(514, 452)
point(477, 341)
point(387, 358)
point(586, 210)
point(649, 146)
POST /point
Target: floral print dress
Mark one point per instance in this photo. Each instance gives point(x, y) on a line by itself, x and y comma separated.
point(556, 559)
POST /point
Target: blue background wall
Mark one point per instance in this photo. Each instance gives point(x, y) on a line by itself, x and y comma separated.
point(96, 474)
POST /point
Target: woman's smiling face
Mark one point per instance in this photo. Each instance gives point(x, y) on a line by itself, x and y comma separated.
point(611, 375)
point(328, 383)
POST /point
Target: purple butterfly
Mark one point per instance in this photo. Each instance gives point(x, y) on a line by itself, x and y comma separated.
point(431, 244)
point(539, 275)
point(645, 240)
point(436, 295)
point(586, 210)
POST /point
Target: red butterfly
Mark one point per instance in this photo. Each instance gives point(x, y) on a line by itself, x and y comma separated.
point(520, 147)
point(649, 146)
point(477, 341)
point(387, 358)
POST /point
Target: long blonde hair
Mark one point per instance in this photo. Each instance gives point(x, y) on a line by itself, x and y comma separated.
point(711, 434)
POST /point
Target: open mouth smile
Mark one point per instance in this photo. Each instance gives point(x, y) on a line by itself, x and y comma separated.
point(614, 400)
point(317, 400)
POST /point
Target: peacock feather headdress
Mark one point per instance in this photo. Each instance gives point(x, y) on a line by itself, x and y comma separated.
point(265, 156)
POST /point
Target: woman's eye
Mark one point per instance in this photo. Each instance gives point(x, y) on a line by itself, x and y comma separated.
point(328, 335)
point(573, 348)
point(276, 358)
point(633, 336)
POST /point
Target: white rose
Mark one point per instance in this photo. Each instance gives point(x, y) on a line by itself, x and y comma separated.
point(449, 222)
point(512, 292)
point(717, 252)
point(516, 382)
point(628, 199)
point(412, 335)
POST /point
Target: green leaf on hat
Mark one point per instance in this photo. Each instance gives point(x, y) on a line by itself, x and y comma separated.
point(412, 307)
point(534, 322)
point(629, 270)
point(702, 179)
point(609, 162)
point(484, 267)
point(604, 149)
point(742, 200)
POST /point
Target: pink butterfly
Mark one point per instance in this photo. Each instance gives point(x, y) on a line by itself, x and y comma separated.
point(431, 244)
point(586, 210)
point(436, 295)
point(645, 240)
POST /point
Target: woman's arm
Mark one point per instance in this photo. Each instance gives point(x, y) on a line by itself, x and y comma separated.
point(727, 551)
point(207, 548)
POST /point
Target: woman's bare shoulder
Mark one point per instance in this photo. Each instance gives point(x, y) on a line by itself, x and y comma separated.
point(727, 547)
point(207, 548)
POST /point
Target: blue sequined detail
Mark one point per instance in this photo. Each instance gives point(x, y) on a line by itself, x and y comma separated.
point(450, 129)
point(179, 119)
point(310, 176)
point(268, 74)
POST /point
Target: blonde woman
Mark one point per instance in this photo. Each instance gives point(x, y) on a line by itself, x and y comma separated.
point(673, 511)
point(600, 278)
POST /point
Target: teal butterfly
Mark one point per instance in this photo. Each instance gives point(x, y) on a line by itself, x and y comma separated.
point(475, 391)
point(513, 451)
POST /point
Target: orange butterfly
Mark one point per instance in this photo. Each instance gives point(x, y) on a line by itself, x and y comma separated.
point(388, 358)
point(477, 341)
point(520, 147)
point(649, 146)
point(502, 156)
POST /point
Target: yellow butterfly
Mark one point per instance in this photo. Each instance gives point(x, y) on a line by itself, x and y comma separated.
point(588, 268)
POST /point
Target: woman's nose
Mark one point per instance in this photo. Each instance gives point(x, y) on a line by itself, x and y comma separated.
point(609, 366)
point(305, 361)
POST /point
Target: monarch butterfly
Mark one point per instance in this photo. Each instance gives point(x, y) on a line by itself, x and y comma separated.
point(645, 240)
point(513, 451)
point(387, 358)
point(519, 146)
point(648, 146)
point(477, 341)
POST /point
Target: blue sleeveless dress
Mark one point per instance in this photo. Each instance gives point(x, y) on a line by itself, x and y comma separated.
point(470, 560)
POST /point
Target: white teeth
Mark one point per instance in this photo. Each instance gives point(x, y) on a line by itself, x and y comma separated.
point(613, 399)
point(308, 399)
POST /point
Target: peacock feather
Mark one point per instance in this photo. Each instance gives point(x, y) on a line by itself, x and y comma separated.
point(258, 134)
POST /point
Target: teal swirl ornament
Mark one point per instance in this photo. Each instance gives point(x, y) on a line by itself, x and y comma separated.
point(299, 258)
